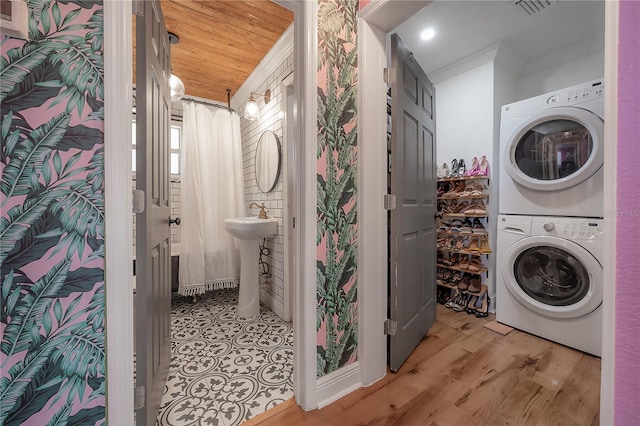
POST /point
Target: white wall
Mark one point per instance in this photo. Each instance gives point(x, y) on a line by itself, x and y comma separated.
point(464, 116)
point(465, 128)
point(568, 67)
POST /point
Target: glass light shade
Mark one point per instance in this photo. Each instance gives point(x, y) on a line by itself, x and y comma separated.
point(251, 110)
point(177, 88)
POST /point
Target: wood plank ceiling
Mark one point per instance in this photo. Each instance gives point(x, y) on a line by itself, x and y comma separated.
point(221, 41)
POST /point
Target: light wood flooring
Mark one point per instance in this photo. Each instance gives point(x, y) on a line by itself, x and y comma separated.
point(465, 374)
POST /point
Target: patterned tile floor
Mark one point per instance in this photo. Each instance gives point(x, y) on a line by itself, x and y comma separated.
point(224, 370)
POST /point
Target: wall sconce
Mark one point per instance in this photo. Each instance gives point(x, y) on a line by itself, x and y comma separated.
point(252, 110)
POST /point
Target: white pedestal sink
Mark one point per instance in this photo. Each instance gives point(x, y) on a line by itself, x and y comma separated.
point(249, 230)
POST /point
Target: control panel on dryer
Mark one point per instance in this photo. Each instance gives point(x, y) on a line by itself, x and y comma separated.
point(586, 92)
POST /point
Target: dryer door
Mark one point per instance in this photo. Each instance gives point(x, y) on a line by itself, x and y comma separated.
point(553, 276)
point(556, 149)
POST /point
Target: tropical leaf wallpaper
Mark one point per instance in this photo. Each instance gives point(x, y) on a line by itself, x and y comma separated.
point(52, 352)
point(337, 237)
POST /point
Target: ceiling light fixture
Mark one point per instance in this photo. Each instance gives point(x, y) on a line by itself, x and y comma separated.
point(252, 110)
point(428, 34)
point(176, 86)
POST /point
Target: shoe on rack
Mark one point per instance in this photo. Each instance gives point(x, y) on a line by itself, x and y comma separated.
point(484, 310)
point(477, 227)
point(483, 169)
point(454, 168)
point(473, 245)
point(462, 168)
point(480, 208)
point(464, 283)
point(475, 284)
point(484, 245)
point(464, 262)
point(455, 190)
point(470, 209)
point(455, 225)
point(467, 227)
point(470, 306)
point(452, 300)
point(445, 170)
point(443, 225)
point(475, 166)
point(476, 189)
point(475, 265)
point(468, 190)
point(461, 303)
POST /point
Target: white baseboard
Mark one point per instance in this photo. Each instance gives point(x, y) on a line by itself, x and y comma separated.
point(335, 385)
point(276, 306)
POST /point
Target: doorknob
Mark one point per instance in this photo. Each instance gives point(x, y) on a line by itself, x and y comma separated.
point(176, 221)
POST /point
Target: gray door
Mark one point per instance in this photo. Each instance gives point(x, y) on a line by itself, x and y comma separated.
point(413, 182)
point(153, 254)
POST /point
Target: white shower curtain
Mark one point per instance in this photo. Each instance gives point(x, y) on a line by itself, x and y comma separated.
point(211, 191)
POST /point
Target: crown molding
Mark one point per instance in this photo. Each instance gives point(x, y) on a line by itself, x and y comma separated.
point(463, 65)
point(388, 14)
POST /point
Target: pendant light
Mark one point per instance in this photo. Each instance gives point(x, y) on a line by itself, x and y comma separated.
point(175, 84)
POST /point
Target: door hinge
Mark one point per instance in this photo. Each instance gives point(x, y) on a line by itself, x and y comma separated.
point(390, 327)
point(139, 398)
point(389, 75)
point(389, 202)
point(138, 201)
point(294, 222)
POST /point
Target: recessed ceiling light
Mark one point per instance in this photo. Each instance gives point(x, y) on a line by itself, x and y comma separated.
point(428, 34)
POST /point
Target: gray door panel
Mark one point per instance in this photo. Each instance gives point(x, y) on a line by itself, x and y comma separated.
point(153, 251)
point(413, 181)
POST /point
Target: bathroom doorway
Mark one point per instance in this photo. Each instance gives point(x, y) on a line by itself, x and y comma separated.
point(288, 236)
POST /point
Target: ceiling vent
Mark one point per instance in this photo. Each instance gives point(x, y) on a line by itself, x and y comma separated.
point(531, 7)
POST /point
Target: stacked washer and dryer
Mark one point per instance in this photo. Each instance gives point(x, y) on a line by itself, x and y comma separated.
point(550, 229)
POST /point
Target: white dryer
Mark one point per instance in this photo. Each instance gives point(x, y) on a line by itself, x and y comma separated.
point(549, 278)
point(552, 153)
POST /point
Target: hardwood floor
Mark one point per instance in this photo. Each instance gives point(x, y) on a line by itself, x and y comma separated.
point(465, 374)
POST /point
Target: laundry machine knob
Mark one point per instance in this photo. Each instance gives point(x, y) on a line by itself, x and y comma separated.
point(549, 226)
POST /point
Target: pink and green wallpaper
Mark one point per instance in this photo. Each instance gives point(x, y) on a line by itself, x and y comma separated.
point(337, 237)
point(52, 352)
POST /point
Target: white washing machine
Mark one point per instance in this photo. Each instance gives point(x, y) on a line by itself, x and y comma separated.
point(552, 153)
point(549, 278)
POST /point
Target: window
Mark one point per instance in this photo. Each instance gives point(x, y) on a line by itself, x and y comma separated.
point(176, 143)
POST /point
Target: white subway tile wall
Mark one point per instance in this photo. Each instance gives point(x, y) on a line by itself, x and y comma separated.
point(270, 119)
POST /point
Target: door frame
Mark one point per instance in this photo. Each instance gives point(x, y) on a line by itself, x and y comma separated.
point(378, 18)
point(118, 206)
point(374, 22)
point(118, 88)
point(291, 194)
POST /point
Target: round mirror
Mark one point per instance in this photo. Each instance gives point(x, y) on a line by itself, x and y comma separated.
point(267, 161)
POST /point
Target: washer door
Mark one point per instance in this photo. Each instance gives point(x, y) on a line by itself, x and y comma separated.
point(556, 149)
point(553, 276)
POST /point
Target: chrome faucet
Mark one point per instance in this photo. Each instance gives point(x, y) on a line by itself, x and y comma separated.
point(263, 210)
